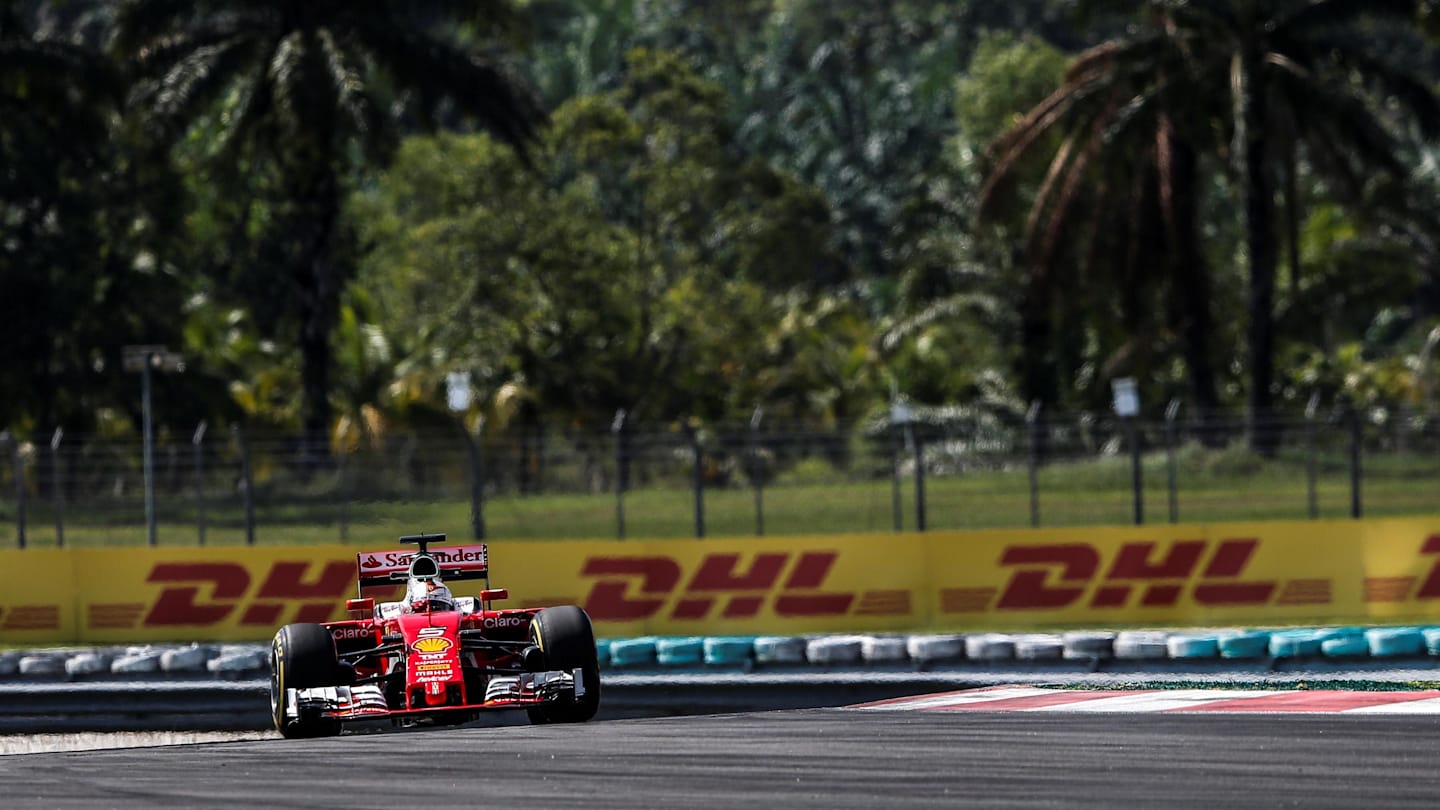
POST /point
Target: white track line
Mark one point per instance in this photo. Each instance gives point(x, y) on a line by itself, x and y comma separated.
point(1167, 700)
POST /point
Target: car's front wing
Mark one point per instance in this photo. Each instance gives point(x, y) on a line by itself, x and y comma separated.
point(367, 701)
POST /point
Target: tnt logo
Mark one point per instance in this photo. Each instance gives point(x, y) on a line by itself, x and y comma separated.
point(210, 593)
point(633, 588)
point(1065, 574)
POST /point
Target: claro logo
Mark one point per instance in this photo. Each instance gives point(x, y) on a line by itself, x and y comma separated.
point(209, 593)
point(726, 585)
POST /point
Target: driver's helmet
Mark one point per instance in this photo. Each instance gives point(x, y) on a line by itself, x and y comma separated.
point(428, 595)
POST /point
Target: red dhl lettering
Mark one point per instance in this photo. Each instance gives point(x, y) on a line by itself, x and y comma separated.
point(634, 588)
point(1430, 588)
point(1051, 577)
point(30, 617)
point(202, 594)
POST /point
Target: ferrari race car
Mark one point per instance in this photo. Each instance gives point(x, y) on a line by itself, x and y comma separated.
point(434, 658)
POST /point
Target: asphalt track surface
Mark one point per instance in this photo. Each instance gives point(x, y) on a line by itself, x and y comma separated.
point(801, 758)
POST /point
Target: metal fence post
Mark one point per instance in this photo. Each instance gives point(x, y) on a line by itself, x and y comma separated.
point(617, 428)
point(1310, 473)
point(149, 452)
point(1032, 424)
point(342, 494)
point(1171, 412)
point(57, 485)
point(897, 517)
point(247, 484)
point(919, 443)
point(19, 467)
point(477, 478)
point(1137, 483)
point(756, 472)
point(699, 479)
point(1355, 504)
point(198, 443)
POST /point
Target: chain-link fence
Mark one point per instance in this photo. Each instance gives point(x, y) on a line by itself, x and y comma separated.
point(944, 470)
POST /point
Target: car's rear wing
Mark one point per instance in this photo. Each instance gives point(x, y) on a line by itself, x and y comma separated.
point(385, 568)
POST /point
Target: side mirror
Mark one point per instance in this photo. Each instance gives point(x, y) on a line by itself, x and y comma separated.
point(367, 605)
point(493, 594)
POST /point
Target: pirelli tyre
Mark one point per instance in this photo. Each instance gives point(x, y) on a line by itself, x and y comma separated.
point(564, 635)
point(302, 656)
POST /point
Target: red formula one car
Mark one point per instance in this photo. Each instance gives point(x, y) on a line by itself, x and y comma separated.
point(433, 658)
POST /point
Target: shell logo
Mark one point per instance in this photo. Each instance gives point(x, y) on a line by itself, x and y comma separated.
point(432, 645)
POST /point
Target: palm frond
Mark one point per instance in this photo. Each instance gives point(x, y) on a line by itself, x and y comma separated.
point(256, 100)
point(497, 98)
point(1413, 93)
point(1012, 145)
point(140, 23)
point(192, 84)
point(1314, 16)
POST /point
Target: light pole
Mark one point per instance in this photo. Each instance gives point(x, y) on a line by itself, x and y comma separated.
point(145, 359)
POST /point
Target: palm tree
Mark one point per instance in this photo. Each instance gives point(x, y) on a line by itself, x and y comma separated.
point(75, 218)
point(301, 88)
point(1251, 81)
point(1124, 176)
point(1291, 67)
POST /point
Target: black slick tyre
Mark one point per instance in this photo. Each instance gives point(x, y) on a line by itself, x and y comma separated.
point(302, 656)
point(564, 635)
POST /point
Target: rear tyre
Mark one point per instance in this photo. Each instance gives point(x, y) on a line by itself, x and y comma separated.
point(302, 656)
point(568, 642)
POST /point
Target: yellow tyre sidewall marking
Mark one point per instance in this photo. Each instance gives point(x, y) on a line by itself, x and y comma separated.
point(278, 709)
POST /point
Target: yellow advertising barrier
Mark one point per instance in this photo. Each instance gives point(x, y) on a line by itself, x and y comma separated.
point(1272, 573)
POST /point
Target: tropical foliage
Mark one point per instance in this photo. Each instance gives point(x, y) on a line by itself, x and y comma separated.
point(686, 210)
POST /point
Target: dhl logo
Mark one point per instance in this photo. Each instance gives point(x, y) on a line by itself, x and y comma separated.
point(625, 589)
point(210, 593)
point(789, 584)
point(779, 584)
point(1162, 574)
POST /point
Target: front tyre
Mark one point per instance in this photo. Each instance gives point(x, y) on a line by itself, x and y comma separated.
point(564, 635)
point(302, 656)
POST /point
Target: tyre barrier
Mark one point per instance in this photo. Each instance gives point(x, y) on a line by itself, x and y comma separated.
point(1390, 642)
point(779, 650)
point(92, 663)
point(1296, 643)
point(1143, 645)
point(680, 652)
point(847, 650)
point(1244, 644)
point(935, 648)
point(721, 651)
point(745, 653)
point(1346, 646)
point(1088, 646)
point(883, 650)
point(1192, 646)
point(186, 659)
point(990, 647)
point(633, 652)
point(1039, 647)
